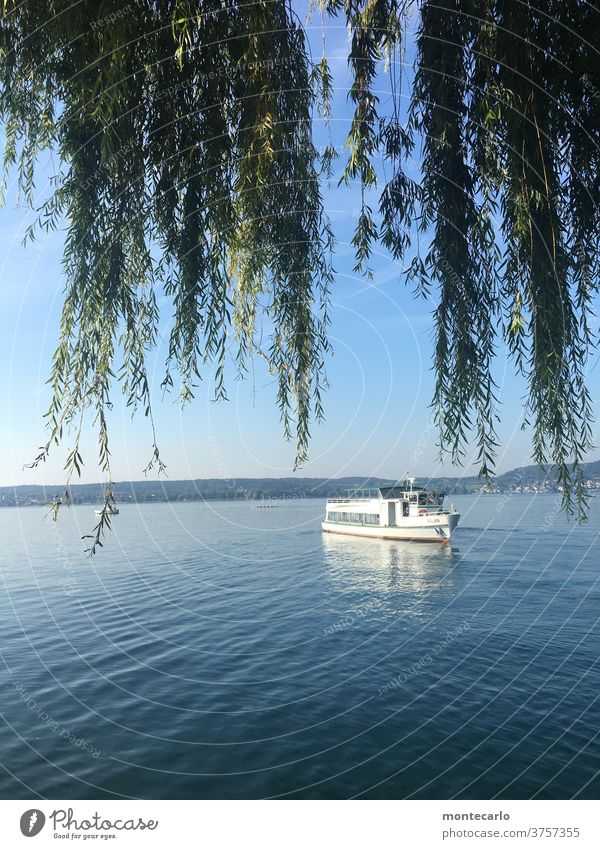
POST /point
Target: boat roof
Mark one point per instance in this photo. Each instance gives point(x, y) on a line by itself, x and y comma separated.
point(391, 491)
point(398, 490)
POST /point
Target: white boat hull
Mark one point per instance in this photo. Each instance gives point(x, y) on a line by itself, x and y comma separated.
point(432, 528)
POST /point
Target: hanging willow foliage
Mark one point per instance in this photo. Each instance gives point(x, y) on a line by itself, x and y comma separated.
point(185, 133)
point(505, 111)
point(188, 168)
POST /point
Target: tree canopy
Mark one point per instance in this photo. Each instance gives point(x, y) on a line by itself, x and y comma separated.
point(188, 167)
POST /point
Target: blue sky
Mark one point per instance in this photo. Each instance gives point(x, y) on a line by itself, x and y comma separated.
point(381, 383)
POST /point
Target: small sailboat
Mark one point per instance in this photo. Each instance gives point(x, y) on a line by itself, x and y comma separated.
point(109, 507)
point(112, 511)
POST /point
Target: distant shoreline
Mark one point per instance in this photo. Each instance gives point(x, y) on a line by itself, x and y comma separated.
point(528, 480)
point(255, 501)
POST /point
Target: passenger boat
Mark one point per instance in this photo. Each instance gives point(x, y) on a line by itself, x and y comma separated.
point(403, 511)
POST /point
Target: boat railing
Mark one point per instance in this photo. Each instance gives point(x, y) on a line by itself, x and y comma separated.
point(348, 500)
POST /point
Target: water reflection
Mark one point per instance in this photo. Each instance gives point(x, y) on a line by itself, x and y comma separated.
point(389, 567)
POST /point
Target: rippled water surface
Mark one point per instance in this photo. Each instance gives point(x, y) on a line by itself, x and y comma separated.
point(216, 650)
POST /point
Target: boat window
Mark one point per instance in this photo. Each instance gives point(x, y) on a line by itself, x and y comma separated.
point(353, 518)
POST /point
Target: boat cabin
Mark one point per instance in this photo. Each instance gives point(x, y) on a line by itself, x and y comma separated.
point(384, 506)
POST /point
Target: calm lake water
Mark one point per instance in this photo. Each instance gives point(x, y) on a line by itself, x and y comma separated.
point(220, 651)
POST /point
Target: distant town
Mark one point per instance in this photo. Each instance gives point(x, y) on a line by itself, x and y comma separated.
point(527, 479)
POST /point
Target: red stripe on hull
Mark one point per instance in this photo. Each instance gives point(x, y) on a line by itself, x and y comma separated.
point(397, 539)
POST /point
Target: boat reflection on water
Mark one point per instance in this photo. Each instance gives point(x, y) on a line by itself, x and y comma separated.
point(388, 567)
